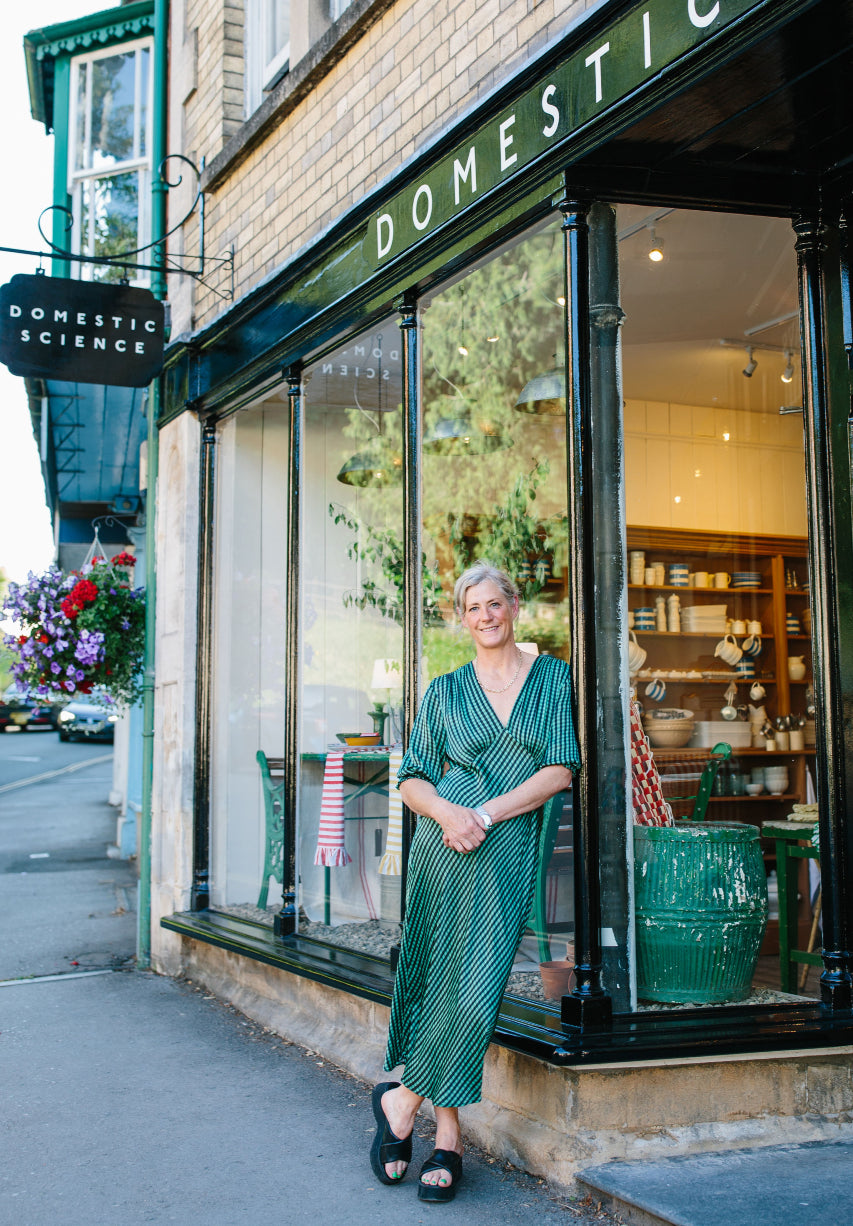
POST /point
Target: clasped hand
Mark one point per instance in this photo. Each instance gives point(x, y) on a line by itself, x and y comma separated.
point(463, 830)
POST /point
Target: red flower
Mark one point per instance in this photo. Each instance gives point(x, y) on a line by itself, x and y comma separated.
point(81, 594)
point(22, 638)
point(124, 559)
point(43, 638)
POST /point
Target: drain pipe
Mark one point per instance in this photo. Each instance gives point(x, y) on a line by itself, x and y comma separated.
point(158, 287)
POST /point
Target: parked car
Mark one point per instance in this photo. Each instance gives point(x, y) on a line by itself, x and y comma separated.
point(19, 708)
point(87, 719)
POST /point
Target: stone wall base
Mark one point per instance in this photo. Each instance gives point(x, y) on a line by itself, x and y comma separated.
point(554, 1121)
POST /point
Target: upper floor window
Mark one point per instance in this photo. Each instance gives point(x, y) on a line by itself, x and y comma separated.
point(109, 155)
point(267, 46)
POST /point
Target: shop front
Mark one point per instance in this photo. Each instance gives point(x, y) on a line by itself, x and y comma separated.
point(598, 335)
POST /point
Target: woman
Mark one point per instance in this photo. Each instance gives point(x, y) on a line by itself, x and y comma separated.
point(491, 743)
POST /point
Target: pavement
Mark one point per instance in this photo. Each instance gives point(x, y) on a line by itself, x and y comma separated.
point(129, 1097)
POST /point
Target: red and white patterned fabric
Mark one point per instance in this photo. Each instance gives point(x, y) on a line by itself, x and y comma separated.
point(331, 849)
point(650, 808)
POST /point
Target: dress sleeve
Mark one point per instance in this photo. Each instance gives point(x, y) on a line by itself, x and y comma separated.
point(561, 748)
point(424, 759)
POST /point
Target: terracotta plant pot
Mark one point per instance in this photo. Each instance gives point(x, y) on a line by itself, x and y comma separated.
point(556, 977)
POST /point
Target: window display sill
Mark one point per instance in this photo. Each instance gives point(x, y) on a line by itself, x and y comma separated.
point(534, 1029)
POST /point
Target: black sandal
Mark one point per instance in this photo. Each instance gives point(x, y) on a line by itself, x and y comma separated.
point(440, 1160)
point(387, 1147)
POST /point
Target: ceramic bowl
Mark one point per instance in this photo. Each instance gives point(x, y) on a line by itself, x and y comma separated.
point(754, 789)
point(358, 738)
point(667, 737)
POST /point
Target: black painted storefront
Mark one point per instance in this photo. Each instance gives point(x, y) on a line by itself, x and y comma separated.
point(755, 119)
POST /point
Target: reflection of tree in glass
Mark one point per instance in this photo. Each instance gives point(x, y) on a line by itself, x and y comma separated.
point(110, 220)
point(382, 551)
point(485, 338)
point(112, 109)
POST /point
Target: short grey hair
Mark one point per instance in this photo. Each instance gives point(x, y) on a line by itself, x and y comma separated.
point(480, 572)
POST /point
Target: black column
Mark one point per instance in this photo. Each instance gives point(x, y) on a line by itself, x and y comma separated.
point(285, 923)
point(828, 502)
point(200, 897)
point(412, 544)
point(588, 1007)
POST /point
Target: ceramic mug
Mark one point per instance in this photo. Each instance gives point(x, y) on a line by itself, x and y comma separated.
point(649, 576)
point(752, 646)
point(753, 628)
point(745, 668)
point(738, 627)
point(722, 579)
point(636, 653)
point(757, 692)
point(660, 574)
point(679, 574)
point(796, 668)
point(700, 578)
point(728, 650)
point(656, 690)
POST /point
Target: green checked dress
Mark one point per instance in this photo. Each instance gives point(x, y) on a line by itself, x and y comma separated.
point(465, 914)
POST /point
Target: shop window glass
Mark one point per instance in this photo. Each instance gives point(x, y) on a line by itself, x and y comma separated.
point(718, 598)
point(494, 481)
point(351, 546)
point(109, 164)
point(247, 701)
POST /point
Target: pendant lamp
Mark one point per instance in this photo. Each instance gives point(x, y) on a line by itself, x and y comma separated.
point(544, 394)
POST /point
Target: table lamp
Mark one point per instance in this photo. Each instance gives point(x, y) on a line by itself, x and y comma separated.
point(388, 676)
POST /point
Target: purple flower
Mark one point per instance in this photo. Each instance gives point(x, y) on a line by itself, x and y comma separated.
point(54, 668)
point(70, 686)
point(89, 648)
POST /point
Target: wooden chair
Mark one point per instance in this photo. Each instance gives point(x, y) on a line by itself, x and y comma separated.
point(687, 779)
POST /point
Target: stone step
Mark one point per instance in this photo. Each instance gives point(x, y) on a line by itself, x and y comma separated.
point(810, 1183)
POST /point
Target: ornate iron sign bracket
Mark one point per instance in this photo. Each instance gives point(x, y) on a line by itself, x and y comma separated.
point(200, 266)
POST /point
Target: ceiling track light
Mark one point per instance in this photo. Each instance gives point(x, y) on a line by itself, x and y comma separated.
point(749, 369)
point(655, 247)
point(788, 372)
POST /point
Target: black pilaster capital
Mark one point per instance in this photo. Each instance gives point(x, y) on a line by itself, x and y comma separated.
point(407, 307)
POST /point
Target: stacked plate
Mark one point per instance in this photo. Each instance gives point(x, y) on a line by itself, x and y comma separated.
point(746, 578)
point(704, 619)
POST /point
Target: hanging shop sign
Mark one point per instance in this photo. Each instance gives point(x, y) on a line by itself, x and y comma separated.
point(623, 58)
point(81, 331)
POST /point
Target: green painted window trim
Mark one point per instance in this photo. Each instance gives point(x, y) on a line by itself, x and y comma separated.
point(45, 49)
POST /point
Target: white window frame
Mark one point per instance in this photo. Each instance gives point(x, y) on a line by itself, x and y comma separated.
point(262, 62)
point(139, 161)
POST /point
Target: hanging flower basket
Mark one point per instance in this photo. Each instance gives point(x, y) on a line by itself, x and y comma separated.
point(80, 631)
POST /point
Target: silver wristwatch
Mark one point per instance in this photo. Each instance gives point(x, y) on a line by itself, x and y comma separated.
point(488, 820)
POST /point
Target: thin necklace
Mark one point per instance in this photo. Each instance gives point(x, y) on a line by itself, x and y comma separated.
point(511, 681)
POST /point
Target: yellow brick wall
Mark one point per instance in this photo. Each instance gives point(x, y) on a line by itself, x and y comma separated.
point(416, 69)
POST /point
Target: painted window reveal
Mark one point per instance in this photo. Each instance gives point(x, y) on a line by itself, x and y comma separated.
point(267, 47)
point(109, 171)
